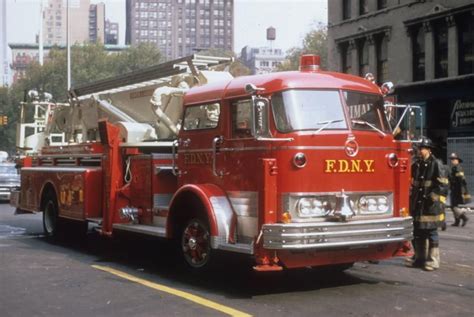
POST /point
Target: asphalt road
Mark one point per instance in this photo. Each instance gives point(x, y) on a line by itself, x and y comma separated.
point(92, 276)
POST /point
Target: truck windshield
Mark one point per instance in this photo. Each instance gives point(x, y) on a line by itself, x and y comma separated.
point(308, 110)
point(366, 111)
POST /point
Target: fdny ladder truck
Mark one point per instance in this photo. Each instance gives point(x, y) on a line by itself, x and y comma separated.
point(295, 169)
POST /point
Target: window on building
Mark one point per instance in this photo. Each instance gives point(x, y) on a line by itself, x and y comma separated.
point(346, 9)
point(381, 4)
point(363, 7)
point(418, 44)
point(441, 50)
point(363, 57)
point(382, 59)
point(346, 54)
point(466, 45)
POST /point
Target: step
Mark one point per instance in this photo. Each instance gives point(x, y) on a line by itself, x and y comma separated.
point(143, 229)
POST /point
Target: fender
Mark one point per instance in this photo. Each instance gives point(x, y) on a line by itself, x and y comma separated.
point(222, 219)
point(48, 183)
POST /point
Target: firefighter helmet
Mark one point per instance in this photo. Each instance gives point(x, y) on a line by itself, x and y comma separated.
point(454, 156)
point(426, 143)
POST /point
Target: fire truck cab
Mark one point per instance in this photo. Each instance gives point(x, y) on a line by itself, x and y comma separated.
point(296, 169)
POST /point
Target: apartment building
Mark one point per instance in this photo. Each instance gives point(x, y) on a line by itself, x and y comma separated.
point(181, 27)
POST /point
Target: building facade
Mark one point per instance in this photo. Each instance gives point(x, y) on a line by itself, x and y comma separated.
point(181, 27)
point(111, 32)
point(87, 22)
point(262, 60)
point(426, 48)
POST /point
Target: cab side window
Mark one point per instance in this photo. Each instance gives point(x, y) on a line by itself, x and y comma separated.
point(202, 116)
point(242, 118)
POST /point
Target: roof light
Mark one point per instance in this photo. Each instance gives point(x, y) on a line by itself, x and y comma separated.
point(309, 63)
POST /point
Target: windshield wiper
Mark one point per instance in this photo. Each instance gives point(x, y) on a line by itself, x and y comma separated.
point(326, 124)
point(368, 124)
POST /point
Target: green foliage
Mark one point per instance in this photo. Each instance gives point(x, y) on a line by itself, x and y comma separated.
point(90, 62)
point(315, 42)
point(8, 132)
point(136, 57)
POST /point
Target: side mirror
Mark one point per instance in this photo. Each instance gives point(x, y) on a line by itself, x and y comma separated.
point(260, 115)
point(251, 89)
point(406, 122)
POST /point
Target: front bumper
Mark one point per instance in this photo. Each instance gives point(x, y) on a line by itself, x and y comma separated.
point(300, 236)
point(5, 193)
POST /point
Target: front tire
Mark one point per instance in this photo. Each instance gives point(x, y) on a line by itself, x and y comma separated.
point(51, 217)
point(195, 244)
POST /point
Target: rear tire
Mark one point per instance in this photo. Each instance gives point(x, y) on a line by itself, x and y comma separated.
point(51, 216)
point(195, 244)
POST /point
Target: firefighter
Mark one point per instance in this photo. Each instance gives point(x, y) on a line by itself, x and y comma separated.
point(459, 194)
point(427, 199)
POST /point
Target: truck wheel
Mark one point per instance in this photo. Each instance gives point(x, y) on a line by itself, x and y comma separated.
point(196, 244)
point(50, 217)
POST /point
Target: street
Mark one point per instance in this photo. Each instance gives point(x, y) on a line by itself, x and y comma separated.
point(131, 275)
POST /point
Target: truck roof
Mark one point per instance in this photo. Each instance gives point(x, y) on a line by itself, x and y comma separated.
point(273, 82)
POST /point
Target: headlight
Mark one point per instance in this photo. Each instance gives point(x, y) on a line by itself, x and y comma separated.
point(312, 207)
point(373, 204)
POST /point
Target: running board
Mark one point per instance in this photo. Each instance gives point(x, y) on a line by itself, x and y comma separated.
point(95, 220)
point(143, 229)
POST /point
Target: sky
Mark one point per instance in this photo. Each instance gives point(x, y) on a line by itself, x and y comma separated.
point(291, 18)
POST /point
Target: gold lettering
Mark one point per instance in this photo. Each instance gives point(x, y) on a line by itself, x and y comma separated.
point(343, 166)
point(368, 165)
point(330, 166)
point(208, 158)
point(355, 166)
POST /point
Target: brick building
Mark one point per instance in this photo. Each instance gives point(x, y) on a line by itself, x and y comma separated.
point(181, 27)
point(426, 48)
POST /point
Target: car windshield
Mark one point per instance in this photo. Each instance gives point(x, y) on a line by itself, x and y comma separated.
point(308, 110)
point(366, 111)
point(8, 169)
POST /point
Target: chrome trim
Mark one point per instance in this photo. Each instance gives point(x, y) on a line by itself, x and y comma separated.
point(323, 235)
point(217, 140)
point(245, 248)
point(143, 229)
point(54, 169)
point(245, 203)
point(289, 202)
point(223, 213)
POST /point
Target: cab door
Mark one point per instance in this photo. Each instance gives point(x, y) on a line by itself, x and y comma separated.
point(199, 144)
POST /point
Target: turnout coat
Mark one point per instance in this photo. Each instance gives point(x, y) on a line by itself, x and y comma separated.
point(457, 183)
point(428, 193)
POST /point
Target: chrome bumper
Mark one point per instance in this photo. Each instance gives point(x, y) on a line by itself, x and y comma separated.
point(5, 193)
point(336, 234)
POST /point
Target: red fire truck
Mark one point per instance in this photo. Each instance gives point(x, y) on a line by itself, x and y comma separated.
point(293, 168)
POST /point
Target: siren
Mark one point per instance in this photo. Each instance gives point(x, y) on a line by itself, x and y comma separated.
point(310, 63)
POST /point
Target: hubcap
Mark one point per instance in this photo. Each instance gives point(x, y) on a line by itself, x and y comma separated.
point(195, 244)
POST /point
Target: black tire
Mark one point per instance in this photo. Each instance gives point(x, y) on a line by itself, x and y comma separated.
point(195, 245)
point(51, 216)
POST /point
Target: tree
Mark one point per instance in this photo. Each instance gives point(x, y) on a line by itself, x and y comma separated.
point(136, 57)
point(315, 42)
point(90, 62)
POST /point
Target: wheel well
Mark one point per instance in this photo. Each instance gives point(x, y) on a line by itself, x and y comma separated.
point(187, 206)
point(48, 190)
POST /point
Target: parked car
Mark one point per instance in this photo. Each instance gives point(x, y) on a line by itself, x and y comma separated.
point(9, 179)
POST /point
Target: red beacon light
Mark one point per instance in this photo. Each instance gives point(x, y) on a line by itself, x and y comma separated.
point(309, 63)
